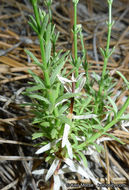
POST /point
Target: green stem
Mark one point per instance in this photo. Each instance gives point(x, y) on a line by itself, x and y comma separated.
point(105, 129)
point(109, 29)
point(47, 78)
point(75, 38)
point(108, 44)
point(37, 17)
point(36, 13)
point(50, 14)
point(106, 57)
point(45, 71)
point(109, 125)
point(42, 51)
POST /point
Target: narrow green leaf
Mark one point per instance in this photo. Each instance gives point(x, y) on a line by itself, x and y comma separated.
point(38, 97)
point(56, 71)
point(34, 88)
point(56, 37)
point(55, 59)
point(45, 124)
point(36, 61)
point(65, 119)
point(74, 139)
point(63, 109)
point(67, 96)
point(102, 52)
point(37, 79)
point(123, 77)
point(85, 104)
point(113, 104)
point(96, 127)
point(37, 120)
point(54, 133)
point(48, 158)
point(44, 24)
point(82, 145)
point(48, 33)
point(33, 27)
point(52, 95)
point(79, 61)
point(98, 147)
point(37, 135)
point(111, 52)
point(125, 117)
point(48, 51)
point(96, 76)
point(69, 72)
point(61, 63)
point(83, 158)
point(115, 138)
point(33, 21)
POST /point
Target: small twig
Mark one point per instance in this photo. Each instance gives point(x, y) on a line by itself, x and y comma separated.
point(14, 142)
point(19, 158)
point(11, 185)
point(4, 52)
point(15, 78)
point(118, 166)
point(107, 163)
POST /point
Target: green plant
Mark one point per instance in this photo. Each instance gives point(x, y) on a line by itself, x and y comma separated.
point(69, 120)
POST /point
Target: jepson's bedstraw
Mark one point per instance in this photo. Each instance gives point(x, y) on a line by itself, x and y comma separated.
point(69, 113)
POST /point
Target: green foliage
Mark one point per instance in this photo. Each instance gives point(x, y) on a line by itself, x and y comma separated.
point(68, 119)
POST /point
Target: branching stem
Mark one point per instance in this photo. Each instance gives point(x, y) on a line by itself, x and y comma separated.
point(41, 41)
point(106, 57)
point(106, 53)
point(36, 13)
point(109, 125)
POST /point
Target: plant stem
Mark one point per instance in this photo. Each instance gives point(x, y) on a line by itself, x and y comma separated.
point(42, 51)
point(105, 129)
point(107, 48)
point(75, 54)
point(106, 57)
point(109, 28)
point(109, 125)
point(45, 71)
point(36, 13)
point(75, 38)
point(41, 41)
